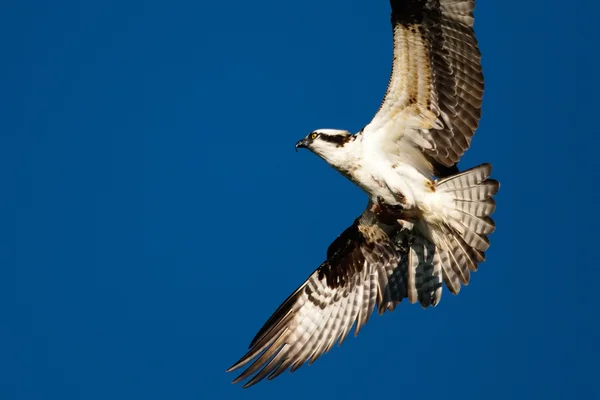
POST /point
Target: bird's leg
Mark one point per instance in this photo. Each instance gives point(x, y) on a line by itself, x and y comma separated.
point(404, 242)
point(388, 214)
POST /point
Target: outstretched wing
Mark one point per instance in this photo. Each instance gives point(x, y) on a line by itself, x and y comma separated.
point(368, 264)
point(433, 99)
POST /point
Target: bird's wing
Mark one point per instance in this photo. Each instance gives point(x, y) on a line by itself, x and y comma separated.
point(433, 99)
point(368, 264)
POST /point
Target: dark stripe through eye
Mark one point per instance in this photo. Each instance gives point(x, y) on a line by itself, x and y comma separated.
point(340, 140)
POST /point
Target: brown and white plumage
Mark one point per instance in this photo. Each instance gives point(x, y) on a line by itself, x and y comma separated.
point(426, 223)
point(463, 241)
point(436, 82)
point(366, 266)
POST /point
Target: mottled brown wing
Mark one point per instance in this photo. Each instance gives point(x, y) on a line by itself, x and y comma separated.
point(435, 90)
point(367, 265)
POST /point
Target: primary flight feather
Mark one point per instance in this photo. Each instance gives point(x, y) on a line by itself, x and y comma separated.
point(426, 223)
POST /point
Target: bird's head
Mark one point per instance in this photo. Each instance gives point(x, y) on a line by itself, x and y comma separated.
point(329, 144)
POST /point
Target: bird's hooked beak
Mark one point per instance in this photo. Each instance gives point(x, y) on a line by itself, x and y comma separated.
point(301, 144)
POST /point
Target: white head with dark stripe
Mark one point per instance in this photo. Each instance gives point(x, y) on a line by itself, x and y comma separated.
point(329, 144)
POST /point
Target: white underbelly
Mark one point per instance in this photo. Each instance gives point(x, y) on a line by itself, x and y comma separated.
point(400, 175)
point(394, 182)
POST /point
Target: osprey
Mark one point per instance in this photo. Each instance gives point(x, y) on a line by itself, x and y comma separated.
point(425, 223)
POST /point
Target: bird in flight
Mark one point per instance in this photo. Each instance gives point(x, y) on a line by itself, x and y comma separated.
point(426, 224)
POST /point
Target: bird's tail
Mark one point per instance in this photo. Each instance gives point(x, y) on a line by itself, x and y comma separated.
point(463, 236)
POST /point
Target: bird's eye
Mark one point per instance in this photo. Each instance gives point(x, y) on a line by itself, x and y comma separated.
point(314, 136)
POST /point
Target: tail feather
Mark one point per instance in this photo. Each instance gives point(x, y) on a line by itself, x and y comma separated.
point(451, 250)
point(450, 278)
point(458, 262)
point(480, 192)
point(466, 179)
point(473, 239)
point(479, 225)
point(475, 255)
point(468, 223)
point(464, 252)
point(482, 208)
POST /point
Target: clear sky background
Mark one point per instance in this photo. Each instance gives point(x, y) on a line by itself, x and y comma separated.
point(154, 212)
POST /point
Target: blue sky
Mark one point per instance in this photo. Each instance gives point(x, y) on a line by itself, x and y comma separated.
point(154, 212)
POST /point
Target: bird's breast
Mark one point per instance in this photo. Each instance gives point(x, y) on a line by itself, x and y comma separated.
point(370, 177)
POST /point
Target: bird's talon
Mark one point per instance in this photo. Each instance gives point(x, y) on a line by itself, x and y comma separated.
point(387, 213)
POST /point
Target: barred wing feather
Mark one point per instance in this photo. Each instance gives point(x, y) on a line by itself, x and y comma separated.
point(433, 99)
